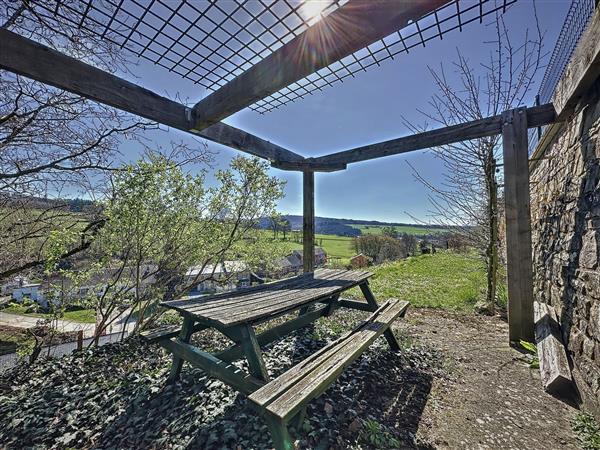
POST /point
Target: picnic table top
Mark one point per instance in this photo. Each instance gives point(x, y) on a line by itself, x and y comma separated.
point(269, 300)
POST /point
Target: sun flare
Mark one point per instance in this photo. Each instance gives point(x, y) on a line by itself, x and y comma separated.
point(311, 9)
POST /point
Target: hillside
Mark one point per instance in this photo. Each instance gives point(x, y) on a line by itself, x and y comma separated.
point(355, 227)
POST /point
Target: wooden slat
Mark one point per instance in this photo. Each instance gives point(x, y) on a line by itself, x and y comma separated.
point(519, 266)
point(226, 372)
point(266, 310)
point(346, 30)
point(275, 333)
point(581, 72)
point(39, 62)
point(279, 290)
point(308, 221)
point(262, 303)
point(165, 332)
point(286, 395)
point(284, 382)
point(536, 116)
point(554, 365)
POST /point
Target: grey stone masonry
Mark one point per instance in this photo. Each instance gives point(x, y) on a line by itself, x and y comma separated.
point(565, 210)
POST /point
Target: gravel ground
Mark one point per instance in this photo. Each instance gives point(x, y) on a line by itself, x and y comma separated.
point(455, 384)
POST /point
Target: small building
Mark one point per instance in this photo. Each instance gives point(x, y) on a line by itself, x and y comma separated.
point(31, 291)
point(320, 256)
point(290, 264)
point(220, 277)
point(360, 261)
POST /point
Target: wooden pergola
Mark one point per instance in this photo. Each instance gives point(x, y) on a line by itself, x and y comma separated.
point(290, 63)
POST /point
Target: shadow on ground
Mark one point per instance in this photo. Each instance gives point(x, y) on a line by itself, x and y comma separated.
point(115, 397)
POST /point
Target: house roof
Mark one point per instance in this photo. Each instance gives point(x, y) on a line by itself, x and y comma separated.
point(220, 268)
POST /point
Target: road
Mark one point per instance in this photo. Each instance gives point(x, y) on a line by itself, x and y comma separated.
point(61, 325)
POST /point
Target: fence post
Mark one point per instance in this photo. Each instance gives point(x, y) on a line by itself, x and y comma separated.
point(80, 340)
point(518, 226)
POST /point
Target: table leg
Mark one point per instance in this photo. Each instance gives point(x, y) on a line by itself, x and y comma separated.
point(253, 353)
point(187, 330)
point(389, 335)
point(332, 305)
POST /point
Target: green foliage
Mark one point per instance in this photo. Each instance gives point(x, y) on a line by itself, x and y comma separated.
point(416, 230)
point(378, 435)
point(160, 221)
point(380, 248)
point(532, 350)
point(445, 280)
point(587, 430)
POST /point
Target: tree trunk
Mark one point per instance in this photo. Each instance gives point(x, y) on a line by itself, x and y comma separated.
point(492, 244)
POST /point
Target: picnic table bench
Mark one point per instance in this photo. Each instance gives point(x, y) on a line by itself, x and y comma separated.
point(235, 314)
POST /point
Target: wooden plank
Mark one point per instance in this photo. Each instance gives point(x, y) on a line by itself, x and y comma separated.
point(370, 298)
point(554, 365)
point(214, 367)
point(536, 116)
point(308, 221)
point(308, 164)
point(251, 349)
point(581, 72)
point(39, 62)
point(275, 333)
point(353, 304)
point(518, 226)
point(346, 30)
point(301, 291)
point(187, 329)
point(166, 332)
point(287, 395)
point(285, 381)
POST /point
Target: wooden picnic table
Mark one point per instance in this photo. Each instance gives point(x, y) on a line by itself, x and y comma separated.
point(235, 314)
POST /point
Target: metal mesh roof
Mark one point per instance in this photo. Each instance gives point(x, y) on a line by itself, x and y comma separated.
point(212, 42)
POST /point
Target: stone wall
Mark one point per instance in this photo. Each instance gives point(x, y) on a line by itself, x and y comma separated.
point(565, 209)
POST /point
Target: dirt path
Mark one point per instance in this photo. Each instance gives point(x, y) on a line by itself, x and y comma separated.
point(492, 399)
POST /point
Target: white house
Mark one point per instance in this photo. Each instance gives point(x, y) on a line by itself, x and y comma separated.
point(220, 277)
point(32, 291)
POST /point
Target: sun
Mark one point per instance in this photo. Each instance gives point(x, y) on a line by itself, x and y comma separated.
point(311, 9)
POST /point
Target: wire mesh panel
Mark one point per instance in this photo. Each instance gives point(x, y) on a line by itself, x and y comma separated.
point(212, 42)
point(577, 19)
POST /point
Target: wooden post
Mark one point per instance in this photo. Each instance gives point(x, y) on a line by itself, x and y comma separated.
point(308, 221)
point(79, 339)
point(518, 226)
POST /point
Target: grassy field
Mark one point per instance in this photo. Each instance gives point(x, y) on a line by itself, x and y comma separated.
point(378, 229)
point(81, 316)
point(444, 280)
point(335, 246)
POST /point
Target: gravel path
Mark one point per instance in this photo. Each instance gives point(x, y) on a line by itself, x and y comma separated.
point(491, 400)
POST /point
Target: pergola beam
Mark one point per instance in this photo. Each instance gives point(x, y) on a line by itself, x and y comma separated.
point(36, 61)
point(346, 30)
point(536, 116)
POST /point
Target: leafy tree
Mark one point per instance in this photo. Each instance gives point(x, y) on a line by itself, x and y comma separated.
point(380, 248)
point(390, 232)
point(161, 221)
point(410, 242)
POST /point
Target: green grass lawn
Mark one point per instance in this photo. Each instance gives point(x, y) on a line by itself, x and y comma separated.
point(81, 316)
point(444, 280)
point(419, 231)
point(336, 246)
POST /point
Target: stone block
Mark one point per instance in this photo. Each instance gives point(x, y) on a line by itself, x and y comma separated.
point(588, 256)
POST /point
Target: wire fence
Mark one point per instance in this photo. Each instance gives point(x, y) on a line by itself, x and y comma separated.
point(577, 19)
point(211, 43)
point(55, 351)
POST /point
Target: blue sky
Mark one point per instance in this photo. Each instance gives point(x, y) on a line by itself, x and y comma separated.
point(361, 110)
